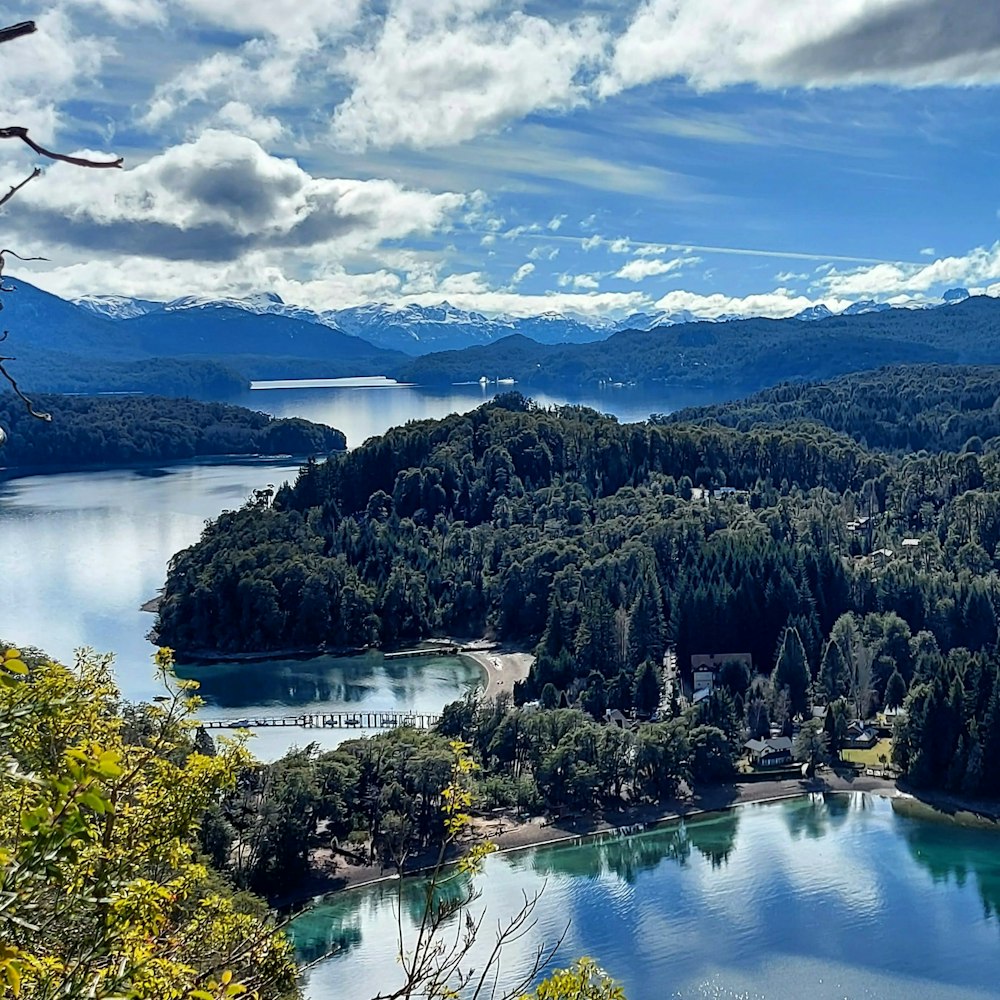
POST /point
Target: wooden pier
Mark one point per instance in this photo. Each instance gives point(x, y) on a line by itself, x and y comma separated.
point(328, 720)
point(407, 654)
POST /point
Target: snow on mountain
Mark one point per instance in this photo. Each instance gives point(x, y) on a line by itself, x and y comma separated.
point(813, 313)
point(116, 306)
point(865, 306)
point(418, 329)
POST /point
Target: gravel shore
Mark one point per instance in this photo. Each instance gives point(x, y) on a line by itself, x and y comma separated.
point(333, 874)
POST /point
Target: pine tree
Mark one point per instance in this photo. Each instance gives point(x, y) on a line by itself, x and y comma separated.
point(792, 670)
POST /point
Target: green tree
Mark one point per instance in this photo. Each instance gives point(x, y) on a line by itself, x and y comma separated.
point(114, 825)
point(792, 670)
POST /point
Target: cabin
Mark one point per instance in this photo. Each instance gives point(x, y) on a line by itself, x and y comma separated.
point(704, 667)
point(860, 736)
point(775, 751)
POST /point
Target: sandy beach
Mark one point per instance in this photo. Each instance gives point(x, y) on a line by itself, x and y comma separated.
point(502, 668)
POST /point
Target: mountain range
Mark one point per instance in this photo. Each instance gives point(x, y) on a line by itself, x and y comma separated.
point(416, 330)
point(212, 347)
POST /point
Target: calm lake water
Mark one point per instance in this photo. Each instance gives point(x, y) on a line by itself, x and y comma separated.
point(91, 547)
point(365, 411)
point(841, 897)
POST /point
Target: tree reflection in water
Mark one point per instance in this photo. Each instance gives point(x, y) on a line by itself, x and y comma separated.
point(950, 849)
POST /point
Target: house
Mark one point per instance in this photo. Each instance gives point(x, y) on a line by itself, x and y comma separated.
point(860, 736)
point(704, 667)
point(881, 556)
point(613, 717)
point(819, 712)
point(775, 751)
point(861, 524)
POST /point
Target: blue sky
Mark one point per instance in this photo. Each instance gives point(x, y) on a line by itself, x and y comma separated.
point(592, 157)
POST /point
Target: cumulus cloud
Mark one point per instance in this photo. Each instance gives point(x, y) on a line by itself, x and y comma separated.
point(223, 196)
point(522, 272)
point(647, 267)
point(440, 73)
point(977, 267)
point(776, 304)
point(40, 71)
point(716, 43)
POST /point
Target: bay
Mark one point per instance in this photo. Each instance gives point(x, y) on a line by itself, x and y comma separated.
point(837, 897)
point(87, 549)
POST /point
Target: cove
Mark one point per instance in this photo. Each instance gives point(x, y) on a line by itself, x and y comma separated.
point(824, 896)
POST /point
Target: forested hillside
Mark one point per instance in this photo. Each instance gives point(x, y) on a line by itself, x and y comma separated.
point(903, 408)
point(109, 430)
point(742, 354)
point(600, 543)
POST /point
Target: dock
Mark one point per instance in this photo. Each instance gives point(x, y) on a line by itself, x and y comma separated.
point(407, 654)
point(328, 720)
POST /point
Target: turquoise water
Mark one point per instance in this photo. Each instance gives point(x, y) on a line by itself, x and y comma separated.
point(839, 897)
point(91, 547)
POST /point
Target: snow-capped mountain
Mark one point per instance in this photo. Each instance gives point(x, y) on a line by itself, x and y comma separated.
point(865, 306)
point(814, 313)
point(417, 329)
point(116, 306)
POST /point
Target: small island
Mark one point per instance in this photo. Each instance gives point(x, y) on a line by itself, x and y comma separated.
point(123, 430)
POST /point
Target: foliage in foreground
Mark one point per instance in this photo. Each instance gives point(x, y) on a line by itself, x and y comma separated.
point(102, 893)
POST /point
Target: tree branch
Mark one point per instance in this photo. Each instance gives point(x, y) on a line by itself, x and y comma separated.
point(17, 30)
point(14, 188)
point(19, 132)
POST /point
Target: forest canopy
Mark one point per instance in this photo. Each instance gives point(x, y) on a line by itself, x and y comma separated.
point(111, 430)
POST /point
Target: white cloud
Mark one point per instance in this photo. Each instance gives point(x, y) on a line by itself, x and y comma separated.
point(220, 197)
point(243, 120)
point(716, 43)
point(977, 267)
point(300, 23)
point(645, 267)
point(41, 70)
point(440, 73)
point(543, 252)
point(556, 222)
point(522, 272)
point(776, 304)
point(591, 242)
point(927, 252)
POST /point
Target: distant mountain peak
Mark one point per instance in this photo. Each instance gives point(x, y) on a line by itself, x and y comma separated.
point(954, 295)
point(813, 313)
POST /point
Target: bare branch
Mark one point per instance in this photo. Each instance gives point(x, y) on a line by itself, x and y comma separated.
point(17, 30)
point(14, 188)
point(29, 406)
point(19, 132)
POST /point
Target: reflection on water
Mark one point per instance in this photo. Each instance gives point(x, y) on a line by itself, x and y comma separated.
point(821, 897)
point(366, 683)
point(953, 853)
point(362, 413)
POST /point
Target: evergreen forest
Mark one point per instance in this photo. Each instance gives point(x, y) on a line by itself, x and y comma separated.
point(602, 545)
point(120, 430)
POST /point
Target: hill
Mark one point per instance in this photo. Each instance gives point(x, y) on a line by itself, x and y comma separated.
point(905, 408)
point(122, 430)
point(743, 355)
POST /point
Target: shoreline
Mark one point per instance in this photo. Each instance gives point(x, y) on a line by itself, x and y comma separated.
point(502, 668)
point(333, 877)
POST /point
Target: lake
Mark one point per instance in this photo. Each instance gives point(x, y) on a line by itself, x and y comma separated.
point(837, 897)
point(362, 411)
point(91, 547)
